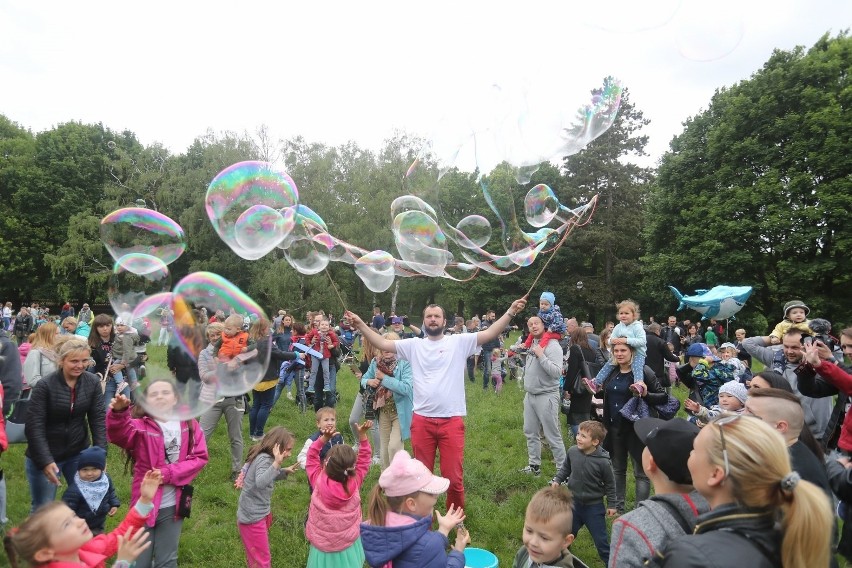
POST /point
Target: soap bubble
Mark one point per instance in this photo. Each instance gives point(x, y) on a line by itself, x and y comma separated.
point(708, 35)
point(111, 145)
point(580, 285)
point(235, 373)
point(260, 228)
point(238, 189)
point(136, 277)
point(376, 270)
point(165, 398)
point(145, 231)
point(476, 228)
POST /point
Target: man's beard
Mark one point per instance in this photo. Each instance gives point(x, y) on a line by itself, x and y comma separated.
point(434, 332)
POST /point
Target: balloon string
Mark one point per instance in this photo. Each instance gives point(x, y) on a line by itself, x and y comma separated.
point(336, 291)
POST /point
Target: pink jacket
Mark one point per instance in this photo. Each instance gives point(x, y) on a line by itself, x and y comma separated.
point(143, 439)
point(94, 553)
point(334, 518)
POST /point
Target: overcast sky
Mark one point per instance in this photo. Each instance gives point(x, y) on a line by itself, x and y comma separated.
point(336, 71)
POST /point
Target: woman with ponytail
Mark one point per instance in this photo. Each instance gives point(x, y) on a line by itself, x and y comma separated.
point(762, 513)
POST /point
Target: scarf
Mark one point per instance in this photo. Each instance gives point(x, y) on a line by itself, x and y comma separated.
point(93, 491)
point(386, 365)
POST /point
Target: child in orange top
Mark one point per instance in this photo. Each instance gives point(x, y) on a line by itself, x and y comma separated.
point(234, 340)
point(55, 537)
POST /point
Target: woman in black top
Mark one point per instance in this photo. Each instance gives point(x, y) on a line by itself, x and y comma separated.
point(581, 398)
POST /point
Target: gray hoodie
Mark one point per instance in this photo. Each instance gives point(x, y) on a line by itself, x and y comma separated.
point(637, 535)
point(589, 476)
point(541, 374)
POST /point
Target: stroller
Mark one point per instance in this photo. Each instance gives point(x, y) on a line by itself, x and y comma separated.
point(348, 337)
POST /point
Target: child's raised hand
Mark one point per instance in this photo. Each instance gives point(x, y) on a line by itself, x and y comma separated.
point(328, 432)
point(131, 545)
point(119, 403)
point(451, 519)
point(462, 539)
point(277, 455)
point(363, 428)
point(150, 483)
point(691, 405)
point(112, 511)
point(292, 469)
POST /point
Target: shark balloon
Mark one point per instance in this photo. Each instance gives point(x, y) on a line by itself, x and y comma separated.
point(721, 302)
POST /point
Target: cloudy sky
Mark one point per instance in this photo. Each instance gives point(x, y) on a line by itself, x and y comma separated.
point(337, 71)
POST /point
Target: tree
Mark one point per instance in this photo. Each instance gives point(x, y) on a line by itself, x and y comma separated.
point(756, 190)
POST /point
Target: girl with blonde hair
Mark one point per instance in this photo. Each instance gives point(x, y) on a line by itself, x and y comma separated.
point(762, 513)
point(42, 358)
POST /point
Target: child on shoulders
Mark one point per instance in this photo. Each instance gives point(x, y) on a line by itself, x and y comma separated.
point(551, 316)
point(235, 341)
point(400, 512)
point(795, 316)
point(631, 332)
point(322, 339)
point(92, 496)
point(334, 517)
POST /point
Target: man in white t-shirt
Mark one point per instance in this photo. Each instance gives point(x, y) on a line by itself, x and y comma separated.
point(438, 363)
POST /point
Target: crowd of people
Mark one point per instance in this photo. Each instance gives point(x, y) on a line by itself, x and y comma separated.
point(750, 475)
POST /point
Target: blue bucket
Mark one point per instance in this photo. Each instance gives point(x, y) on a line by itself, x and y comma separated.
point(479, 558)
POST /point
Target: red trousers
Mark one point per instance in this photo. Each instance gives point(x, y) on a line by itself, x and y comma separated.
point(446, 435)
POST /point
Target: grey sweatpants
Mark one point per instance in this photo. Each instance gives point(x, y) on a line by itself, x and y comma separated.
point(234, 419)
point(165, 536)
point(541, 414)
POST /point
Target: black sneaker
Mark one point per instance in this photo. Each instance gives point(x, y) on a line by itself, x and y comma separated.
point(531, 469)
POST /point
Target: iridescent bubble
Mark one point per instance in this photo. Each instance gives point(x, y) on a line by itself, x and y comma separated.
point(307, 255)
point(260, 228)
point(111, 145)
point(165, 398)
point(476, 228)
point(237, 189)
point(540, 205)
point(708, 35)
point(234, 372)
point(376, 270)
point(421, 242)
point(136, 277)
point(140, 230)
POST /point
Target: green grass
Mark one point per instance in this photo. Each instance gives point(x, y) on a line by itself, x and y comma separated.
point(497, 494)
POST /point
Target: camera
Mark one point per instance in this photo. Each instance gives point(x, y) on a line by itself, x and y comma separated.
point(821, 329)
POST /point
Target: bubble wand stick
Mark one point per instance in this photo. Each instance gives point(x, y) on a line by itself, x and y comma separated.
point(336, 291)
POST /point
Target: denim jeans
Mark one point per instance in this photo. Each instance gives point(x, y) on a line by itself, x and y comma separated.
point(260, 409)
point(594, 518)
point(110, 390)
point(41, 490)
point(470, 367)
point(445, 435)
point(486, 369)
point(324, 396)
point(621, 441)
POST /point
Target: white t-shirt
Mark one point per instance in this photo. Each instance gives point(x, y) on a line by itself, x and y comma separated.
point(171, 442)
point(438, 367)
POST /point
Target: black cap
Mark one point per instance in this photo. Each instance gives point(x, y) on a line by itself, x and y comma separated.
point(670, 442)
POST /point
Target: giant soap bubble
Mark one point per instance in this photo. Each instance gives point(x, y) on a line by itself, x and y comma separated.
point(143, 231)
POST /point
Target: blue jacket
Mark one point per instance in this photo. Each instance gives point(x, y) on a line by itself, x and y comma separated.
point(95, 519)
point(402, 386)
point(408, 546)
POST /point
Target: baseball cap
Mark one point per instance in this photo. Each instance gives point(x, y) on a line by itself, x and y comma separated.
point(699, 350)
point(406, 475)
point(396, 319)
point(670, 443)
point(728, 345)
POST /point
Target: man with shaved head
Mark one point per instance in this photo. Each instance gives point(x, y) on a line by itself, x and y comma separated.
point(783, 411)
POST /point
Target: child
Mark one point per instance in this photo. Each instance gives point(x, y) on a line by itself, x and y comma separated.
point(589, 474)
point(334, 517)
point(551, 317)
point(54, 537)
point(729, 354)
point(708, 374)
point(234, 341)
point(732, 398)
point(795, 316)
point(399, 519)
point(92, 496)
point(322, 339)
point(548, 531)
point(326, 418)
point(254, 511)
point(497, 360)
point(177, 449)
point(629, 332)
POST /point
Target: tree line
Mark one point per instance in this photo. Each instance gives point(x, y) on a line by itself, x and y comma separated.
point(754, 191)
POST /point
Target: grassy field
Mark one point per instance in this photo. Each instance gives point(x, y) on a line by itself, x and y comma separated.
point(496, 493)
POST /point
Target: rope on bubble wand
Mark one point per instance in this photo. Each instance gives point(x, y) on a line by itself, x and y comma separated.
point(336, 291)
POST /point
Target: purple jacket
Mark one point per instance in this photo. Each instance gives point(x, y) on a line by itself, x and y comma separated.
point(143, 439)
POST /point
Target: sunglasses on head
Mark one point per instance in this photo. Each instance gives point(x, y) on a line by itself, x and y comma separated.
point(721, 423)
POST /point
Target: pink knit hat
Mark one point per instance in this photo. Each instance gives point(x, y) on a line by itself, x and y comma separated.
point(406, 475)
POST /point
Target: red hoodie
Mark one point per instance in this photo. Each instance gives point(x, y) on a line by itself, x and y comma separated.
point(94, 553)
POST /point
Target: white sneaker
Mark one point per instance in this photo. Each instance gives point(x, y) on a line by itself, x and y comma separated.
point(376, 460)
point(290, 395)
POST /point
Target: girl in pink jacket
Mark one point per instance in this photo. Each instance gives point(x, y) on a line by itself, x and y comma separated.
point(334, 517)
point(175, 448)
